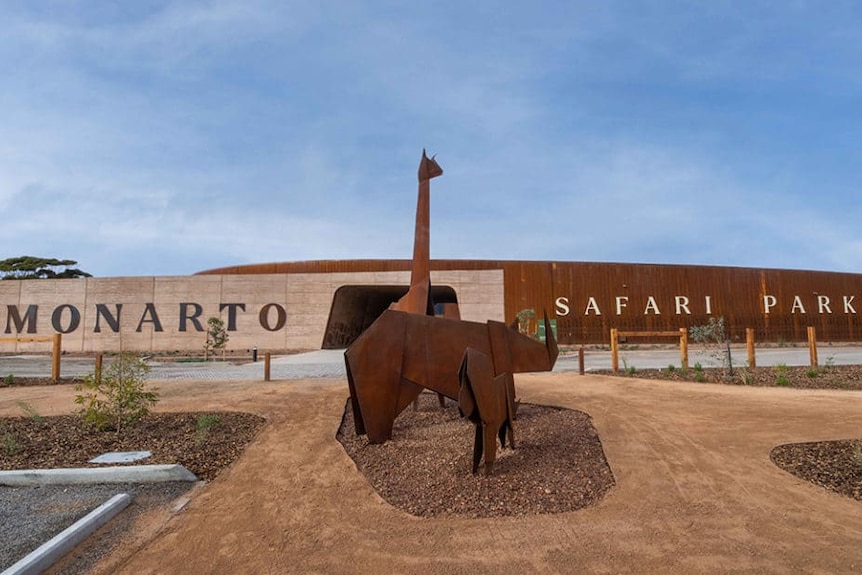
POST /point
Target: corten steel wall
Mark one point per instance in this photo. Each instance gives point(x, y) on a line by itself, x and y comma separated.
point(801, 299)
point(826, 300)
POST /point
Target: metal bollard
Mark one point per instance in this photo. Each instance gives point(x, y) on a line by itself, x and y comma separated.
point(254, 354)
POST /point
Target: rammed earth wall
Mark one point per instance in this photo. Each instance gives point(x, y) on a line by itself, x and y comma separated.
point(267, 311)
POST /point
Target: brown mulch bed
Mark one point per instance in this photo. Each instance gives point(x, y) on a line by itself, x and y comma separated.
point(835, 465)
point(425, 470)
point(28, 381)
point(202, 443)
point(798, 377)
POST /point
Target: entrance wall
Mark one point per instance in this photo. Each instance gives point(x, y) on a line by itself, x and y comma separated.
point(168, 313)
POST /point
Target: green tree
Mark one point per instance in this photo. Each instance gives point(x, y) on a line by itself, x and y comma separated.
point(31, 267)
point(524, 319)
point(217, 336)
point(116, 397)
point(715, 341)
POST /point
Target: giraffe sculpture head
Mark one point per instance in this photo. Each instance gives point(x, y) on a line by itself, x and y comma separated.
point(428, 168)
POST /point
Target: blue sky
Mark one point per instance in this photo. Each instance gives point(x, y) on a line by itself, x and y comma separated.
point(164, 138)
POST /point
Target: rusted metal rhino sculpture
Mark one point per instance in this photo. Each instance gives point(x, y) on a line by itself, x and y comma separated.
point(489, 402)
point(402, 354)
point(407, 350)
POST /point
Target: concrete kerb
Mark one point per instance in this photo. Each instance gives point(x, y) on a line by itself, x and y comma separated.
point(86, 476)
point(48, 553)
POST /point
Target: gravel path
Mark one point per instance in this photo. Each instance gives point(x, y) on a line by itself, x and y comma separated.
point(30, 516)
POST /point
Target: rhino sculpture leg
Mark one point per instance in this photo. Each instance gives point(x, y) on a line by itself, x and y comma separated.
point(508, 385)
point(478, 446)
point(486, 401)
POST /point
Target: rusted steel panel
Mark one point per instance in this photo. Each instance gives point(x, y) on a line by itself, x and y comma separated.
point(641, 297)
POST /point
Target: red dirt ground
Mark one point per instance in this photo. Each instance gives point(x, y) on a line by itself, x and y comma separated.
point(695, 489)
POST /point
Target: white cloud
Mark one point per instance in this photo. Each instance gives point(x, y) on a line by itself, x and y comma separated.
point(140, 137)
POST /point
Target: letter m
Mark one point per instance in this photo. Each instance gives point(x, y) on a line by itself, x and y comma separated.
point(13, 317)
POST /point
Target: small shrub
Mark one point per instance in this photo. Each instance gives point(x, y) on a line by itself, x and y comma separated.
point(699, 376)
point(30, 412)
point(207, 421)
point(118, 398)
point(781, 375)
point(204, 424)
point(812, 373)
point(10, 443)
point(698, 368)
point(9, 379)
point(715, 342)
point(668, 373)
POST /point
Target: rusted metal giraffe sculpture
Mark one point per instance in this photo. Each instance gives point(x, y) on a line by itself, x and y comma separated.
point(418, 298)
point(407, 350)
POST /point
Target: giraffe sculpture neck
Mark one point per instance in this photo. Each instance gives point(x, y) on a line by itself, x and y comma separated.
point(418, 298)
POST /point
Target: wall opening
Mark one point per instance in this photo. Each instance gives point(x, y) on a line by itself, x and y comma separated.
point(354, 309)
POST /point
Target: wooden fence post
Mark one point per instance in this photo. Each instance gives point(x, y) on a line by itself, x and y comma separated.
point(97, 374)
point(683, 348)
point(581, 360)
point(812, 346)
point(615, 351)
point(56, 350)
point(749, 344)
point(267, 357)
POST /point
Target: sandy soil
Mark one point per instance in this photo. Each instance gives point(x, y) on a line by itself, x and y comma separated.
point(695, 489)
